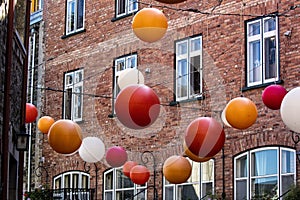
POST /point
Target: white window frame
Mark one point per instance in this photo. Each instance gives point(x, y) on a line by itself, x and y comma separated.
point(131, 6)
point(61, 178)
point(136, 188)
point(262, 64)
point(68, 16)
point(76, 89)
point(190, 93)
point(196, 178)
point(249, 177)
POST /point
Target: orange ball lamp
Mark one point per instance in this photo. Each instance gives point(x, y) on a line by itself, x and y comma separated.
point(31, 113)
point(194, 157)
point(137, 106)
point(45, 123)
point(204, 137)
point(177, 169)
point(149, 24)
point(116, 156)
point(65, 136)
point(241, 113)
point(170, 1)
point(139, 174)
point(127, 167)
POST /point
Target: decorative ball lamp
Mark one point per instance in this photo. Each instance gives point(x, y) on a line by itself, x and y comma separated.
point(31, 113)
point(273, 95)
point(290, 109)
point(45, 123)
point(149, 24)
point(204, 137)
point(177, 169)
point(130, 76)
point(127, 167)
point(170, 1)
point(116, 156)
point(92, 149)
point(139, 174)
point(241, 113)
point(65, 136)
point(137, 106)
point(223, 117)
point(194, 157)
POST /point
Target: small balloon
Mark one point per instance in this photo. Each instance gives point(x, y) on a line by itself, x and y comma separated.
point(139, 174)
point(116, 156)
point(130, 76)
point(273, 95)
point(92, 149)
point(45, 123)
point(31, 113)
point(127, 167)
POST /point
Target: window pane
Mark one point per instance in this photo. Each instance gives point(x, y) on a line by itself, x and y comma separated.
point(207, 171)
point(207, 188)
point(141, 195)
point(270, 58)
point(85, 182)
point(68, 103)
point(255, 62)
point(241, 167)
point(287, 162)
point(264, 162)
point(120, 65)
point(80, 9)
point(241, 189)
point(287, 182)
point(169, 192)
point(78, 76)
point(254, 29)
point(188, 192)
point(195, 75)
point(124, 195)
point(123, 181)
point(109, 181)
point(108, 196)
point(264, 188)
point(195, 176)
point(120, 7)
point(131, 62)
point(182, 49)
point(57, 183)
point(182, 74)
point(132, 5)
point(270, 24)
point(75, 182)
point(195, 44)
point(77, 102)
point(67, 181)
point(69, 79)
point(71, 16)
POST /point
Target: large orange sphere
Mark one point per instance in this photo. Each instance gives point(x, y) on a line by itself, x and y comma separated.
point(149, 24)
point(45, 123)
point(204, 137)
point(127, 167)
point(177, 169)
point(65, 136)
point(31, 113)
point(241, 113)
point(139, 174)
point(170, 1)
point(194, 157)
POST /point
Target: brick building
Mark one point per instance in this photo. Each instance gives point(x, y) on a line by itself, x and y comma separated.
point(236, 48)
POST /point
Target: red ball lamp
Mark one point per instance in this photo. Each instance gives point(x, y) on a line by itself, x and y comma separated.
point(273, 95)
point(31, 113)
point(139, 174)
point(127, 167)
point(116, 156)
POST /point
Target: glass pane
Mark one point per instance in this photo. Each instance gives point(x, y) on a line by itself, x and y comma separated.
point(182, 49)
point(264, 188)
point(195, 176)
point(188, 192)
point(124, 195)
point(120, 65)
point(85, 182)
point(241, 189)
point(206, 189)
point(77, 102)
point(78, 76)
point(132, 5)
point(109, 181)
point(287, 162)
point(69, 79)
point(57, 183)
point(122, 180)
point(120, 7)
point(270, 24)
point(195, 44)
point(207, 171)
point(264, 162)
point(141, 195)
point(80, 9)
point(287, 182)
point(241, 167)
point(270, 55)
point(255, 62)
point(75, 182)
point(67, 181)
point(71, 16)
point(254, 29)
point(169, 192)
point(68, 103)
point(108, 196)
point(131, 62)
point(182, 74)
point(195, 75)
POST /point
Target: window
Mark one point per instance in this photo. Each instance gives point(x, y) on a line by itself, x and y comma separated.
point(74, 16)
point(262, 51)
point(117, 186)
point(73, 98)
point(199, 186)
point(264, 173)
point(125, 7)
point(36, 5)
point(188, 68)
point(71, 185)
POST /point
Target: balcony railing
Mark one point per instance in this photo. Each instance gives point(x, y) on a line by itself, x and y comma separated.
point(63, 194)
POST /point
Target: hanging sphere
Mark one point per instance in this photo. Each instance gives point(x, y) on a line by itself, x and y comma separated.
point(170, 1)
point(65, 136)
point(241, 113)
point(223, 117)
point(194, 157)
point(137, 106)
point(177, 169)
point(31, 113)
point(204, 137)
point(92, 149)
point(130, 76)
point(139, 174)
point(127, 167)
point(149, 24)
point(290, 109)
point(45, 123)
point(116, 156)
point(273, 95)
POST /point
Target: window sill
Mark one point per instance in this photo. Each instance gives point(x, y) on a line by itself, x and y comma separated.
point(175, 103)
point(72, 34)
point(123, 16)
point(244, 89)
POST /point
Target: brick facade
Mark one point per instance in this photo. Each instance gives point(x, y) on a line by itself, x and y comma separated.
point(223, 76)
